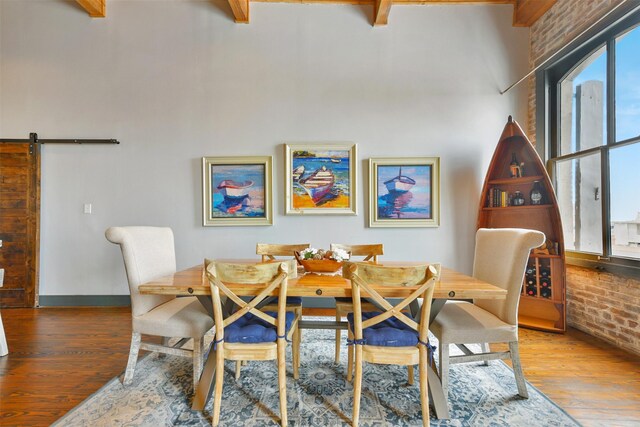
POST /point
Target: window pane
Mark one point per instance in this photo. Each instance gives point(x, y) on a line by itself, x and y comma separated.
point(578, 191)
point(583, 115)
point(628, 85)
point(625, 201)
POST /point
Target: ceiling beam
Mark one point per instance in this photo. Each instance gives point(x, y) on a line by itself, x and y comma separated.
point(95, 8)
point(527, 12)
point(240, 9)
point(381, 9)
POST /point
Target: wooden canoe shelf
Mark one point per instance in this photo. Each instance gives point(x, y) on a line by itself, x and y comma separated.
point(516, 167)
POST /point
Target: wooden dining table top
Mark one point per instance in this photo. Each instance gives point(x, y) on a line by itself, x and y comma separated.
point(452, 284)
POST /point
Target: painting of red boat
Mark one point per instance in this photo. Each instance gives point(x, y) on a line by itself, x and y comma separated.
point(238, 191)
point(320, 179)
point(318, 184)
point(235, 190)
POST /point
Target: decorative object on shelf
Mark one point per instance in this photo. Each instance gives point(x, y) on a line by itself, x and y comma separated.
point(548, 248)
point(321, 261)
point(237, 191)
point(542, 302)
point(515, 168)
point(320, 179)
point(404, 192)
point(536, 195)
point(517, 199)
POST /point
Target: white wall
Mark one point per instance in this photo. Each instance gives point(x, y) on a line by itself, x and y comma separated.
point(178, 80)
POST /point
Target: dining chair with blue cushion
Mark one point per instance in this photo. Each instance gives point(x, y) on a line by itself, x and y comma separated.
point(501, 256)
point(390, 336)
point(370, 253)
point(250, 333)
point(269, 252)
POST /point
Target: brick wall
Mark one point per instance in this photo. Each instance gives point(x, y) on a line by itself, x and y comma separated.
point(601, 304)
point(604, 305)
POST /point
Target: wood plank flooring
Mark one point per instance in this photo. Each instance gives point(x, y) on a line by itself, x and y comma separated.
point(59, 356)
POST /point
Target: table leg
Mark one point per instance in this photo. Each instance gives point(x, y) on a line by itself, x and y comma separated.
point(205, 385)
point(436, 395)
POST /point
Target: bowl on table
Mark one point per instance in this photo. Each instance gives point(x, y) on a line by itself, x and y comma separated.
point(319, 265)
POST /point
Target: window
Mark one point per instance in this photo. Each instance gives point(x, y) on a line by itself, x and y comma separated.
point(592, 123)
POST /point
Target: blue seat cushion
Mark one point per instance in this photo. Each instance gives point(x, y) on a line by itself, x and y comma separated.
point(250, 329)
point(389, 333)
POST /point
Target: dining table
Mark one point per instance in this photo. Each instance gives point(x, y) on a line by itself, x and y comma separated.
point(450, 284)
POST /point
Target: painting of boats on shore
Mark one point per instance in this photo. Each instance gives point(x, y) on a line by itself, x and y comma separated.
point(404, 192)
point(320, 178)
point(237, 191)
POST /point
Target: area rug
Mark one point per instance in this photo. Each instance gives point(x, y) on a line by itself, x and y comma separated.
point(161, 395)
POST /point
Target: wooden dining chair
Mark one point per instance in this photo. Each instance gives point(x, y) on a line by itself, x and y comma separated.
point(149, 253)
point(269, 252)
point(250, 333)
point(344, 305)
point(390, 336)
point(501, 256)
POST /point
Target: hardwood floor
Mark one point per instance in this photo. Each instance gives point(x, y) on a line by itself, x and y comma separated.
point(59, 356)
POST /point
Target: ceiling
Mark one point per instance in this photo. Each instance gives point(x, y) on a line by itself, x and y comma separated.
point(525, 12)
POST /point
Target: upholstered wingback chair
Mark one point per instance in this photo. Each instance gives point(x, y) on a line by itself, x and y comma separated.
point(148, 254)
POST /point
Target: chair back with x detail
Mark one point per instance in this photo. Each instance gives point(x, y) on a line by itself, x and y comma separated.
point(390, 336)
point(370, 253)
point(249, 333)
point(269, 251)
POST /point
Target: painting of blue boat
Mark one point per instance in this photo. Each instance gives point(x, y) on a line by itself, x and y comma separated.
point(404, 191)
point(238, 191)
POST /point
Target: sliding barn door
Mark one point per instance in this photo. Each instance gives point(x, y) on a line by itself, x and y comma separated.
point(19, 223)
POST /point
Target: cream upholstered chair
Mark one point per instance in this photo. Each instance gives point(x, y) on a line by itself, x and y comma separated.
point(344, 306)
point(4, 348)
point(149, 253)
point(269, 252)
point(250, 333)
point(501, 256)
point(390, 336)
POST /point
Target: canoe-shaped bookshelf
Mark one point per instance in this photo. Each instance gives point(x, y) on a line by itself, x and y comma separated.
point(517, 192)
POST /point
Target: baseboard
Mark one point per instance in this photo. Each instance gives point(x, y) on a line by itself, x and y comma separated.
point(85, 300)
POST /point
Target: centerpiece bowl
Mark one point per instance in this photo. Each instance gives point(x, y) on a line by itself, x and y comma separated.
point(319, 265)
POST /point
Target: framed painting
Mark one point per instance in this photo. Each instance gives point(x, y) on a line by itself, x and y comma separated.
point(320, 179)
point(404, 192)
point(237, 191)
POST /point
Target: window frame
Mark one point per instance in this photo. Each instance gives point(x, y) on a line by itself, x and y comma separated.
point(548, 81)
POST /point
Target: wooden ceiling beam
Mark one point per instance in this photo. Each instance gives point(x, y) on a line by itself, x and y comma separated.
point(381, 9)
point(95, 8)
point(240, 9)
point(527, 12)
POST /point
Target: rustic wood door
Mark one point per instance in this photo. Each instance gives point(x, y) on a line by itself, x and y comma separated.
point(19, 223)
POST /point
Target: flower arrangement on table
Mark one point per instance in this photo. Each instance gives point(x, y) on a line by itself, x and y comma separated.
point(322, 261)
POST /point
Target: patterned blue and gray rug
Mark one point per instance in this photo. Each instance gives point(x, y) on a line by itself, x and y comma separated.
point(480, 395)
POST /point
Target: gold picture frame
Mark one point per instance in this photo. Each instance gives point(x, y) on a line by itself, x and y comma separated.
point(320, 179)
point(237, 191)
point(404, 192)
